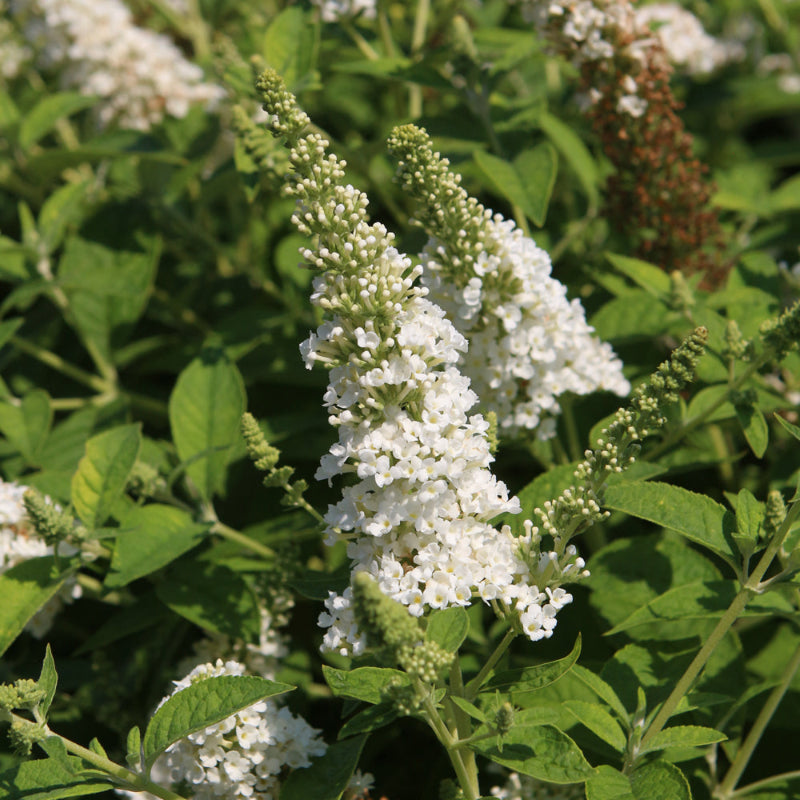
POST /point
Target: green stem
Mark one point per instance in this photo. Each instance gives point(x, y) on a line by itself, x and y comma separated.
point(679, 433)
point(473, 687)
point(747, 592)
point(762, 784)
point(417, 42)
point(726, 789)
point(573, 440)
point(104, 764)
point(463, 725)
point(360, 42)
point(60, 365)
point(232, 535)
point(466, 780)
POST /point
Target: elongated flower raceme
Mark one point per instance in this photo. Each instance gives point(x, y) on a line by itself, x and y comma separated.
point(416, 512)
point(527, 342)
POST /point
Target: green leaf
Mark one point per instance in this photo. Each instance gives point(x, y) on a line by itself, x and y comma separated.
point(370, 719)
point(204, 412)
point(107, 289)
point(546, 486)
point(702, 600)
point(469, 708)
point(787, 426)
point(651, 278)
point(541, 751)
point(635, 315)
point(103, 472)
point(63, 207)
point(27, 425)
point(48, 680)
point(328, 775)
point(24, 589)
point(787, 196)
point(133, 748)
point(289, 46)
point(202, 704)
point(9, 113)
point(448, 628)
point(57, 750)
point(504, 180)
point(695, 516)
point(683, 736)
point(749, 515)
point(575, 153)
point(363, 683)
point(529, 679)
point(150, 537)
point(42, 118)
point(659, 780)
point(599, 722)
point(601, 689)
point(537, 168)
point(212, 596)
point(608, 783)
point(47, 779)
point(754, 427)
point(10, 326)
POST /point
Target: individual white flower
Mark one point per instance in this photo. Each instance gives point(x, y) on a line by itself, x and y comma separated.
point(244, 756)
point(139, 75)
point(528, 343)
point(334, 10)
point(20, 542)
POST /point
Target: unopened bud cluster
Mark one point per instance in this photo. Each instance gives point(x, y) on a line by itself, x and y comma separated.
point(579, 506)
point(528, 343)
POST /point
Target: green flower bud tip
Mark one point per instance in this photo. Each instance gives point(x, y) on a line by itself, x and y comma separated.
point(504, 718)
point(387, 624)
point(774, 514)
point(782, 335)
point(24, 693)
point(51, 524)
point(286, 118)
point(263, 454)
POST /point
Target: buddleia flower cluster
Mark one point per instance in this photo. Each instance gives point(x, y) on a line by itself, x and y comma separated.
point(687, 44)
point(528, 343)
point(19, 542)
point(415, 513)
point(139, 75)
point(659, 195)
point(245, 756)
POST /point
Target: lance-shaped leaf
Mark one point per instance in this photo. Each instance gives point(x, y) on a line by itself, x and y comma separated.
point(683, 736)
point(328, 775)
point(599, 722)
point(448, 628)
point(364, 683)
point(103, 472)
point(695, 516)
point(48, 779)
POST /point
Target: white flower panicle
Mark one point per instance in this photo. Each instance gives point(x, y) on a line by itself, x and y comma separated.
point(334, 10)
point(528, 343)
point(244, 756)
point(19, 542)
point(685, 41)
point(416, 513)
point(594, 33)
point(140, 75)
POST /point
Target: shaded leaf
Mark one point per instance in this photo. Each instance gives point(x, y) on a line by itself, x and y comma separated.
point(754, 427)
point(601, 689)
point(47, 779)
point(368, 720)
point(363, 683)
point(42, 118)
point(204, 413)
point(537, 168)
point(599, 722)
point(575, 153)
point(48, 680)
point(541, 751)
point(529, 679)
point(448, 627)
point(651, 278)
point(103, 472)
point(24, 589)
point(150, 537)
point(328, 775)
point(608, 783)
